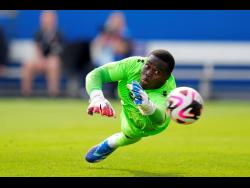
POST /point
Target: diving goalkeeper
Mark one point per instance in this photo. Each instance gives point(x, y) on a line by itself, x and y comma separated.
point(143, 86)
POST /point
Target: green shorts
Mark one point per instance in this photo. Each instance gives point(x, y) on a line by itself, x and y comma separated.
point(129, 129)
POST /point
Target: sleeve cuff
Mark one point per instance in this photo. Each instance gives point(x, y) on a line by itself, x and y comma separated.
point(96, 93)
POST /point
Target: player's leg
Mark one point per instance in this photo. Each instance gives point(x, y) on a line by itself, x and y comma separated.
point(28, 70)
point(108, 146)
point(120, 139)
point(53, 70)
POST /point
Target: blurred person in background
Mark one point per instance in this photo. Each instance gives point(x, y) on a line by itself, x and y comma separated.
point(113, 43)
point(49, 47)
point(3, 52)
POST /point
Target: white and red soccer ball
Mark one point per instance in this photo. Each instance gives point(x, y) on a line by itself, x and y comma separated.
point(184, 105)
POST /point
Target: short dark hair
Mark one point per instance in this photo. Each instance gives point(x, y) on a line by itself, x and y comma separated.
point(165, 56)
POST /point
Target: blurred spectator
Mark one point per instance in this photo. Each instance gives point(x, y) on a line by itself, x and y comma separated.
point(3, 51)
point(117, 24)
point(76, 64)
point(123, 47)
point(113, 43)
point(49, 45)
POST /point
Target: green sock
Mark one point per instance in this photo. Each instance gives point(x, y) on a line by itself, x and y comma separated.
point(119, 139)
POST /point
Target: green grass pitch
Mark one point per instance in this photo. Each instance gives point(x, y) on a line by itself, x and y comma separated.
point(41, 137)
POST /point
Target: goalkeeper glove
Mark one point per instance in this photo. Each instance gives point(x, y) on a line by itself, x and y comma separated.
point(141, 99)
point(99, 104)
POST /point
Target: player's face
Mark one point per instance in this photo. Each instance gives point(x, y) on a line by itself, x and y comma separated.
point(153, 75)
point(48, 21)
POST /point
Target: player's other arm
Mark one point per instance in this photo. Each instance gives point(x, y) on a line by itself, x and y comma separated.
point(160, 115)
point(154, 110)
point(95, 79)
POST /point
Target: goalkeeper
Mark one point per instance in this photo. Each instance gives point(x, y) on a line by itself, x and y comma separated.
point(143, 85)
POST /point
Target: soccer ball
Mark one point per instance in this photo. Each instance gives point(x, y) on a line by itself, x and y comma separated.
point(184, 105)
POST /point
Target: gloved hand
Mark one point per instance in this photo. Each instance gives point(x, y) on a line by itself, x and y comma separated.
point(99, 104)
point(145, 105)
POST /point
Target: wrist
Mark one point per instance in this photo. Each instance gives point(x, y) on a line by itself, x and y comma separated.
point(147, 109)
point(96, 93)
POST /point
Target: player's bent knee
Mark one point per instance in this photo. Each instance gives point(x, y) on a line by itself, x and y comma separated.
point(132, 140)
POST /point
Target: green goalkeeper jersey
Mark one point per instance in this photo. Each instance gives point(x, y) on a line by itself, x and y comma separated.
point(125, 71)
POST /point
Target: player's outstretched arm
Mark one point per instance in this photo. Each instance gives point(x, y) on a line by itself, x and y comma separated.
point(145, 105)
point(98, 103)
point(109, 72)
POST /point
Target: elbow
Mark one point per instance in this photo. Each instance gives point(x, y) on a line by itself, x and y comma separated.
point(88, 79)
point(158, 117)
point(161, 120)
point(89, 76)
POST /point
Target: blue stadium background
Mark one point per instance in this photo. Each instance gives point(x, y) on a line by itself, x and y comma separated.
point(146, 25)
